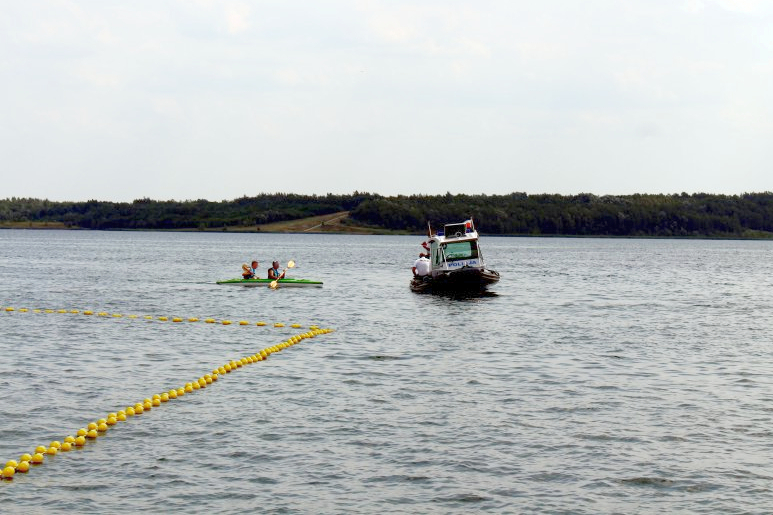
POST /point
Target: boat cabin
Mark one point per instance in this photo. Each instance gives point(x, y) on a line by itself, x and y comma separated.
point(455, 247)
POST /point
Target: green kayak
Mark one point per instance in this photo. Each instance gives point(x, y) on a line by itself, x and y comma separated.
point(266, 282)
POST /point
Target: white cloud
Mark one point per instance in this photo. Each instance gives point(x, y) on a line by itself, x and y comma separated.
point(237, 15)
point(742, 6)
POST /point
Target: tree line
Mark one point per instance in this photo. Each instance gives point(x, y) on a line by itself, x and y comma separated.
point(662, 215)
point(171, 214)
point(685, 215)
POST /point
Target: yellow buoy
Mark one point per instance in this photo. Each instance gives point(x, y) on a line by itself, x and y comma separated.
point(279, 324)
point(188, 388)
point(40, 449)
point(296, 326)
point(195, 385)
point(132, 316)
point(164, 397)
point(9, 309)
point(121, 417)
point(227, 367)
point(156, 403)
point(66, 446)
point(52, 451)
point(74, 311)
point(147, 405)
point(80, 441)
point(226, 322)
point(88, 312)
point(177, 319)
point(37, 458)
point(193, 319)
point(130, 411)
point(163, 319)
point(24, 466)
point(243, 322)
point(102, 427)
point(92, 434)
point(111, 421)
point(139, 409)
point(148, 317)
point(55, 443)
point(209, 321)
point(25, 457)
point(172, 394)
point(23, 310)
point(181, 391)
point(260, 324)
point(69, 439)
point(92, 425)
point(8, 472)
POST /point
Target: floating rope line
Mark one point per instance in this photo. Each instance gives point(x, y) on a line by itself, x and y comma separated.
point(94, 430)
point(149, 317)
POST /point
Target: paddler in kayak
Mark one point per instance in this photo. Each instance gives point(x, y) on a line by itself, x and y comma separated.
point(249, 272)
point(273, 272)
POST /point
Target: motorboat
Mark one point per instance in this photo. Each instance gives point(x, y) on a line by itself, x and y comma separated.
point(456, 261)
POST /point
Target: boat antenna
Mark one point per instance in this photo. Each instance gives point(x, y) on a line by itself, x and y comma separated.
point(429, 230)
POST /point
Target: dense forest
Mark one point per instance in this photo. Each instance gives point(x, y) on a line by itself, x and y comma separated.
point(170, 214)
point(699, 215)
point(685, 215)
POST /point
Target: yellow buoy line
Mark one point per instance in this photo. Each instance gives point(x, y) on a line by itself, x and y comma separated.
point(150, 317)
point(94, 430)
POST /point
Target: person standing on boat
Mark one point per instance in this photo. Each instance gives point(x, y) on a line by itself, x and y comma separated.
point(273, 272)
point(421, 266)
point(250, 271)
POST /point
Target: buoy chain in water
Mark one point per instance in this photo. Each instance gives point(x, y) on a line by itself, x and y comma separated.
point(150, 317)
point(94, 430)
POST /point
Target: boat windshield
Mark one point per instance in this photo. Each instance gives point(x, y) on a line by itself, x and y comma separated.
point(461, 250)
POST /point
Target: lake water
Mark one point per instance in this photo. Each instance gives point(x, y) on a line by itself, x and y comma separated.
point(605, 376)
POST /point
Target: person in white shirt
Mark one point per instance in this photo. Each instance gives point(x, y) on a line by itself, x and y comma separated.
point(421, 266)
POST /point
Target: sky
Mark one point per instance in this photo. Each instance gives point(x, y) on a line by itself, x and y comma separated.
point(205, 99)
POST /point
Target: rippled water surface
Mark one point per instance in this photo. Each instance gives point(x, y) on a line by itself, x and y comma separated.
point(604, 376)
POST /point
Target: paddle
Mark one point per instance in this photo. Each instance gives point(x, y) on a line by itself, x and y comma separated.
point(274, 284)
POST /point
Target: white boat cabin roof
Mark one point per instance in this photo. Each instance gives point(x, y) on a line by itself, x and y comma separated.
point(456, 232)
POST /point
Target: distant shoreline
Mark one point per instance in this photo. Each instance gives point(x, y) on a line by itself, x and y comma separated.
point(698, 216)
point(61, 227)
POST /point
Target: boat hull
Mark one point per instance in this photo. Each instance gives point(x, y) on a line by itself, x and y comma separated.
point(282, 283)
point(465, 280)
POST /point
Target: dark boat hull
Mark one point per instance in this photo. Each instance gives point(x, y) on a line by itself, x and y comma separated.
point(464, 280)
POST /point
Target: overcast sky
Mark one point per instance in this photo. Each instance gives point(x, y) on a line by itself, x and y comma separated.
point(188, 99)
